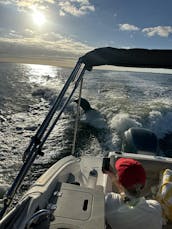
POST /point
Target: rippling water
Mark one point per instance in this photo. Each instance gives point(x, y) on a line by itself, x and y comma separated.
point(27, 92)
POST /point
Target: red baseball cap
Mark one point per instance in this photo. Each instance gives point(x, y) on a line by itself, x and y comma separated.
point(130, 172)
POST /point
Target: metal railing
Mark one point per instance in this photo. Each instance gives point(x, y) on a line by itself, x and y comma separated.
point(37, 141)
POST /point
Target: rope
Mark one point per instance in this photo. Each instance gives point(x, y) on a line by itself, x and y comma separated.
point(77, 119)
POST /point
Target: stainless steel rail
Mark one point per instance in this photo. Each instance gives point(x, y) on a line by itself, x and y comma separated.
point(37, 142)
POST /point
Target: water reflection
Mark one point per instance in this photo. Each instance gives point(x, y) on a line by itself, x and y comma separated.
point(40, 74)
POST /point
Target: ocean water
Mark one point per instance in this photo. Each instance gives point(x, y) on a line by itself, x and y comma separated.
point(125, 99)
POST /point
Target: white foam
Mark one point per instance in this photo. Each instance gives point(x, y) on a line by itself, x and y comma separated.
point(122, 122)
point(160, 123)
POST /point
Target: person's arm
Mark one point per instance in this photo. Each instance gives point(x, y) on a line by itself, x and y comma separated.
point(114, 180)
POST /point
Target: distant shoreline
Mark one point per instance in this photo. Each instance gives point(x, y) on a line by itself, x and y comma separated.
point(63, 62)
point(70, 63)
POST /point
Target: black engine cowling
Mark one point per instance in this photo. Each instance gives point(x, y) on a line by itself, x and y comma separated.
point(140, 141)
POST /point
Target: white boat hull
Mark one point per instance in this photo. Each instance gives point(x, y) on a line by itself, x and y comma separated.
point(65, 191)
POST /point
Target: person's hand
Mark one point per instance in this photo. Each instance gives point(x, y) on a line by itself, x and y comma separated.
point(96, 57)
point(110, 172)
point(114, 179)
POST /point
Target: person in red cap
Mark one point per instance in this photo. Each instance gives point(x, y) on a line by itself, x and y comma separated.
point(128, 209)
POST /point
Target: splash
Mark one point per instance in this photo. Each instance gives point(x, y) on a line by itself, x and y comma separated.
point(160, 123)
point(122, 122)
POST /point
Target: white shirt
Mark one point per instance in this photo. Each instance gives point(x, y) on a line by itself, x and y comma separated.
point(147, 214)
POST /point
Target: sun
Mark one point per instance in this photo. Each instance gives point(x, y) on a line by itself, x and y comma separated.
point(38, 18)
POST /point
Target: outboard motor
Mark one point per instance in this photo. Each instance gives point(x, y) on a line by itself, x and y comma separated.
point(140, 141)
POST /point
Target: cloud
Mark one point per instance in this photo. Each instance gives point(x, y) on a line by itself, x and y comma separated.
point(72, 7)
point(162, 31)
point(75, 7)
point(32, 44)
point(27, 4)
point(128, 27)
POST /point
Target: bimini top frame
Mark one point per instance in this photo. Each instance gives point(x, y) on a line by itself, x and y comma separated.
point(37, 141)
point(143, 58)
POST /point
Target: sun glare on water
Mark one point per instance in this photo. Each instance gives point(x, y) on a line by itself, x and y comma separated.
point(38, 18)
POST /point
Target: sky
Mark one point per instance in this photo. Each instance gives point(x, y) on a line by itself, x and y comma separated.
point(63, 30)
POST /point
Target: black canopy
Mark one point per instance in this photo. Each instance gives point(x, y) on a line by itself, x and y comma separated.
point(144, 58)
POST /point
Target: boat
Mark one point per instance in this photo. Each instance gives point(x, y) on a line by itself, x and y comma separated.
point(70, 194)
